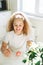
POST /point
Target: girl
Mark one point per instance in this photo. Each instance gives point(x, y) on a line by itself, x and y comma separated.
point(17, 37)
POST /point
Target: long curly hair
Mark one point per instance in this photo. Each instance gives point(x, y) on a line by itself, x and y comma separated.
point(26, 28)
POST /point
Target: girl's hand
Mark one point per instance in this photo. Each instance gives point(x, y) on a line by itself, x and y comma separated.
point(29, 43)
point(18, 53)
point(7, 52)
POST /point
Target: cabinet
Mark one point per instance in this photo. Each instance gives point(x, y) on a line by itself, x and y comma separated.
point(3, 5)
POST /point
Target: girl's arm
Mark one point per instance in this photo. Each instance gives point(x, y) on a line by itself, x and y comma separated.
point(6, 51)
point(29, 43)
point(3, 47)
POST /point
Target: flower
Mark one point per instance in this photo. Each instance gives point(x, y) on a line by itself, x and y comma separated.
point(35, 55)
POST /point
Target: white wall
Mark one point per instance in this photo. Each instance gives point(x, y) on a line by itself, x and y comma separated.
point(38, 23)
point(4, 17)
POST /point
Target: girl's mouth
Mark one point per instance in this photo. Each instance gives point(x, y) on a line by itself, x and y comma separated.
point(18, 29)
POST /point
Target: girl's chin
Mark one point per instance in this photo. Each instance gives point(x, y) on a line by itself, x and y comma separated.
point(18, 33)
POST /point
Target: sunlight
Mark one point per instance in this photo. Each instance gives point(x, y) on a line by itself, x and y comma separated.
point(29, 6)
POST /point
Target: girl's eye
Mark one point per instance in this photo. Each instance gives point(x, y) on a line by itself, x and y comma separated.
point(15, 25)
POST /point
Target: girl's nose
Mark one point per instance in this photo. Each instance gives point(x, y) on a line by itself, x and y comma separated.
point(18, 28)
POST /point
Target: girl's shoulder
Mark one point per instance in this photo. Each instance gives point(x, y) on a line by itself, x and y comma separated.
point(8, 36)
point(10, 33)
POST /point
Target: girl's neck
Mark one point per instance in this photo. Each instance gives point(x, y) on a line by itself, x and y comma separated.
point(18, 33)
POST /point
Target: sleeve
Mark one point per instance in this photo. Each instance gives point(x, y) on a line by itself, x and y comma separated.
point(6, 38)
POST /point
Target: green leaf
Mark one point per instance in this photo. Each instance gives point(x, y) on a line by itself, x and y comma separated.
point(32, 55)
point(29, 51)
point(24, 61)
point(41, 50)
point(38, 63)
point(41, 55)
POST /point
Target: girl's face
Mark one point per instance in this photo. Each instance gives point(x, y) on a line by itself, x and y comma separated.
point(18, 26)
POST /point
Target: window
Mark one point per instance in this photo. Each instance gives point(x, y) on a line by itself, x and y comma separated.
point(31, 7)
point(41, 6)
point(28, 6)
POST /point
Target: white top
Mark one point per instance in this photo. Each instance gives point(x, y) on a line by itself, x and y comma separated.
point(16, 42)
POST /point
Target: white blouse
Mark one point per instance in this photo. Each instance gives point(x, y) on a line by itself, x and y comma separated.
point(16, 42)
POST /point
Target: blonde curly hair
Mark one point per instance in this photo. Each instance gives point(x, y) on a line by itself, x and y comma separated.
point(26, 28)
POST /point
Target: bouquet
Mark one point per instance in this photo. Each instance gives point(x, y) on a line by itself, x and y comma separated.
point(34, 56)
